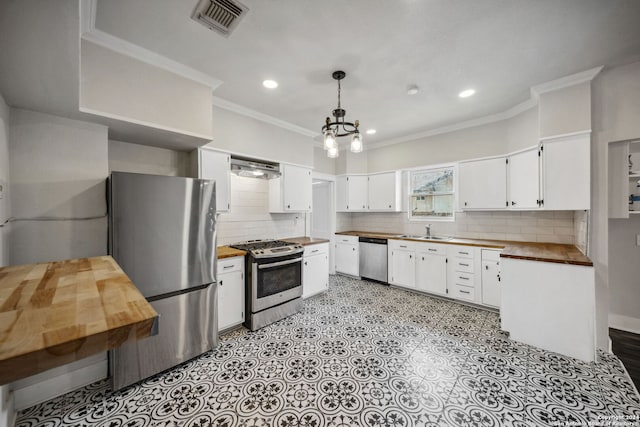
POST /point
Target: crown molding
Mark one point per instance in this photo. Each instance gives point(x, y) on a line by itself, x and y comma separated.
point(507, 114)
point(239, 109)
point(89, 32)
point(566, 81)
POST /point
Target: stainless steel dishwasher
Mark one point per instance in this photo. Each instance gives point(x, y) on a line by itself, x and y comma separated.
point(373, 259)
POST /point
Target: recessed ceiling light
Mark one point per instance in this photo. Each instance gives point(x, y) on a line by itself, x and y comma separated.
point(466, 93)
point(270, 84)
point(412, 90)
point(371, 131)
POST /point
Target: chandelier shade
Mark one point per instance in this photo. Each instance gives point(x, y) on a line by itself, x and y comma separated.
point(339, 127)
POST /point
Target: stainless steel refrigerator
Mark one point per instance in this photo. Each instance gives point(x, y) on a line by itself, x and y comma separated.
point(162, 232)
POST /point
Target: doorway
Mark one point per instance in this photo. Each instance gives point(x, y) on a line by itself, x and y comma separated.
point(323, 214)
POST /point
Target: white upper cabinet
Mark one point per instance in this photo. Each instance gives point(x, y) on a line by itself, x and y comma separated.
point(385, 191)
point(483, 184)
point(566, 172)
point(524, 179)
point(292, 191)
point(352, 193)
point(216, 165)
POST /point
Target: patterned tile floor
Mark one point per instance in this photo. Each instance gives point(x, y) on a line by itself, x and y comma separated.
point(364, 354)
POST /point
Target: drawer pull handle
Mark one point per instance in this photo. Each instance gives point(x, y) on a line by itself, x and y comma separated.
point(402, 246)
point(228, 266)
point(465, 265)
point(315, 250)
point(433, 250)
point(464, 253)
point(465, 292)
point(463, 278)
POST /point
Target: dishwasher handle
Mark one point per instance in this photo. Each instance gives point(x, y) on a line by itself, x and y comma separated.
point(372, 240)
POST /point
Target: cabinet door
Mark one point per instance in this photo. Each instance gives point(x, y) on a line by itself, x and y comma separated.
point(297, 188)
point(315, 275)
point(384, 192)
point(357, 193)
point(483, 184)
point(216, 166)
point(403, 268)
point(524, 179)
point(566, 165)
point(341, 194)
point(230, 299)
point(431, 273)
point(347, 259)
point(491, 283)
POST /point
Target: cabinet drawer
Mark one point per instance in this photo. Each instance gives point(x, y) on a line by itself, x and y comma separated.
point(230, 265)
point(431, 249)
point(464, 252)
point(401, 244)
point(346, 239)
point(321, 248)
point(463, 264)
point(490, 255)
point(464, 279)
point(463, 292)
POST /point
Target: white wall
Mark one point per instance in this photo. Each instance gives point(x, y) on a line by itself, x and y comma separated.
point(522, 130)
point(479, 141)
point(565, 110)
point(127, 157)
point(615, 116)
point(6, 397)
point(121, 87)
point(5, 211)
point(58, 170)
point(239, 134)
point(322, 163)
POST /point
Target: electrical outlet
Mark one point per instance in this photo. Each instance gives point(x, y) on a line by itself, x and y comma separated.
point(637, 239)
point(1, 190)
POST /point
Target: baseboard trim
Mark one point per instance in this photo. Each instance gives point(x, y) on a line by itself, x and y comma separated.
point(624, 323)
point(48, 389)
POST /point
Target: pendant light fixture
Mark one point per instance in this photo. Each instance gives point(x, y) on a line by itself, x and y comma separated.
point(339, 127)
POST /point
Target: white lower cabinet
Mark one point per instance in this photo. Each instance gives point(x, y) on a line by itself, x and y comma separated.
point(465, 273)
point(462, 278)
point(315, 270)
point(550, 305)
point(491, 277)
point(347, 255)
point(230, 292)
point(431, 269)
point(401, 263)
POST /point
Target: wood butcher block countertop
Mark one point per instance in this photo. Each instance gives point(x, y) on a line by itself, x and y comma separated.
point(533, 251)
point(59, 312)
point(229, 252)
point(305, 241)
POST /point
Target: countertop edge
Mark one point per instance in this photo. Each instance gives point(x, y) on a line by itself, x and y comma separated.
point(505, 245)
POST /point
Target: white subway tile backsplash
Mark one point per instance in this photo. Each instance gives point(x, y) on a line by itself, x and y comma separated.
point(532, 226)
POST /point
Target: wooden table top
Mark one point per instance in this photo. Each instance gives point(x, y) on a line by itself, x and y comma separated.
point(533, 251)
point(229, 252)
point(59, 312)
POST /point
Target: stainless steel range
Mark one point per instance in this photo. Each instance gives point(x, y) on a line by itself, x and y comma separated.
point(273, 281)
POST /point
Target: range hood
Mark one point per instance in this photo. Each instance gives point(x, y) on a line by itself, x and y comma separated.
point(252, 168)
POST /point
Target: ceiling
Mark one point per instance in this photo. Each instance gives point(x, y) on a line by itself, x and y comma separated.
point(499, 47)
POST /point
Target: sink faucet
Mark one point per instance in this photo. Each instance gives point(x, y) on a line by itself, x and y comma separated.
point(428, 230)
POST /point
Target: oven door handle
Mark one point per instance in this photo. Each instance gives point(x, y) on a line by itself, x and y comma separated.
point(277, 264)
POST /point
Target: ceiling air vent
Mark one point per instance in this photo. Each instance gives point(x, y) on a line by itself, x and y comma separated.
point(222, 16)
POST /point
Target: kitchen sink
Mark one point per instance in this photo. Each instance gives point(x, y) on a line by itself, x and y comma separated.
point(411, 236)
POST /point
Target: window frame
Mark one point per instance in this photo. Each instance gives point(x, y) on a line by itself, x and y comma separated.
point(454, 192)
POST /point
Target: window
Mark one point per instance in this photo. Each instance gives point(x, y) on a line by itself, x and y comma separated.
point(432, 194)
